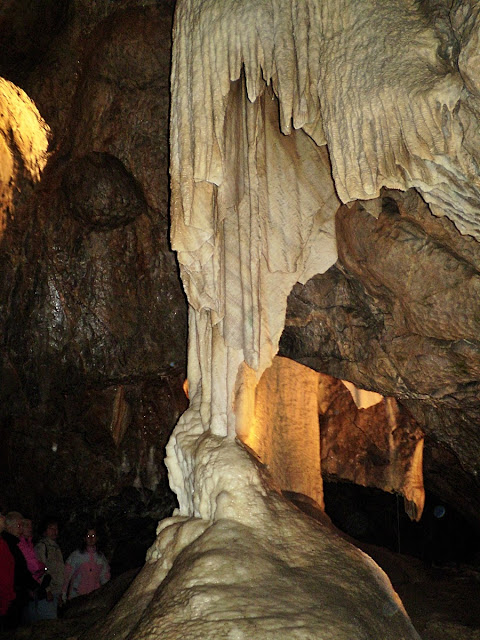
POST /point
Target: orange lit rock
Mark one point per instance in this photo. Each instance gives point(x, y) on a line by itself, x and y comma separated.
point(305, 424)
point(284, 433)
point(380, 446)
point(23, 143)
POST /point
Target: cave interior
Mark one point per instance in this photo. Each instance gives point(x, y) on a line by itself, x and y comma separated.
point(207, 214)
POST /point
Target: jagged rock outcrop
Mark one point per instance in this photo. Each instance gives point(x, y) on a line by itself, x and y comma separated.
point(398, 314)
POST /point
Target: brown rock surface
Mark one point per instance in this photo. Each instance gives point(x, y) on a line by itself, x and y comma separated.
point(379, 446)
point(93, 318)
point(398, 314)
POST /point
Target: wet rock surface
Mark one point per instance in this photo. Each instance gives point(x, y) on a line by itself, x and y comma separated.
point(93, 315)
point(27, 31)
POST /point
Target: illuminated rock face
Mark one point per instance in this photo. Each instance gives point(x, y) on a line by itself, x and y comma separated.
point(23, 145)
point(397, 314)
point(304, 423)
point(376, 446)
point(92, 312)
point(284, 432)
point(253, 214)
point(241, 235)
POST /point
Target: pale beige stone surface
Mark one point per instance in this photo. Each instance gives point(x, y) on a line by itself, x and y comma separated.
point(363, 399)
point(252, 209)
point(173, 535)
point(254, 567)
point(252, 213)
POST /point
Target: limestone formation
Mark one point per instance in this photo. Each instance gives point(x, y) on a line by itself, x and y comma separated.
point(398, 313)
point(403, 115)
point(391, 111)
point(255, 568)
point(245, 220)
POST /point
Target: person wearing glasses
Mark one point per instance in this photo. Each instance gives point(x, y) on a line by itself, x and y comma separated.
point(86, 569)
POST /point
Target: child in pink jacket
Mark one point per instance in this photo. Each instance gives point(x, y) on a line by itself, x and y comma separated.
point(86, 569)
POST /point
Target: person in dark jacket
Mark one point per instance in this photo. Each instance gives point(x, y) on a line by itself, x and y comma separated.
point(7, 567)
point(23, 581)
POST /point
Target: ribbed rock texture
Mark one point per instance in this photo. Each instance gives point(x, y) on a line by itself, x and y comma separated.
point(381, 88)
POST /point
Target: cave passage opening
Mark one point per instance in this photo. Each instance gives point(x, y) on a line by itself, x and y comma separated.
point(441, 538)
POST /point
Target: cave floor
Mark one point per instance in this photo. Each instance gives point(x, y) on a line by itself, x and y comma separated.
point(446, 605)
point(443, 603)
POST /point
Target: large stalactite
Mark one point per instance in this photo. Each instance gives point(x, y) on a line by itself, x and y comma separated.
point(252, 208)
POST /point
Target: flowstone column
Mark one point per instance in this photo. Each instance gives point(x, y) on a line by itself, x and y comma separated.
point(245, 234)
point(253, 199)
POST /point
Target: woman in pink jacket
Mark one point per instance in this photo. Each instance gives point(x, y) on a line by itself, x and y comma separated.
point(86, 569)
point(34, 564)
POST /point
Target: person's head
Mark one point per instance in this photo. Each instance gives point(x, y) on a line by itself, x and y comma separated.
point(49, 528)
point(89, 538)
point(2, 522)
point(27, 528)
point(13, 523)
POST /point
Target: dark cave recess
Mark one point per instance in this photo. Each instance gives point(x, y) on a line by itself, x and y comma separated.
point(442, 537)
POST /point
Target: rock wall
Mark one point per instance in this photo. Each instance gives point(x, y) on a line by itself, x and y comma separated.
point(93, 316)
point(398, 314)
